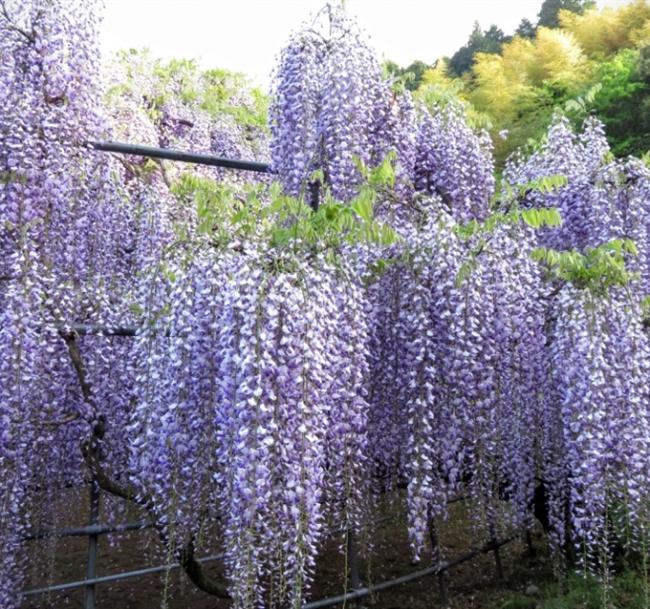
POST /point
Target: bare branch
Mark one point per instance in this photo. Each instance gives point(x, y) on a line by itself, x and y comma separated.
point(70, 339)
point(91, 454)
point(197, 575)
point(12, 25)
point(163, 173)
point(71, 418)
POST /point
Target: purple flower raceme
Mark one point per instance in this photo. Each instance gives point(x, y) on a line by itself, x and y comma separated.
point(331, 108)
point(580, 159)
point(454, 163)
point(291, 423)
point(61, 260)
point(597, 350)
point(597, 435)
point(475, 351)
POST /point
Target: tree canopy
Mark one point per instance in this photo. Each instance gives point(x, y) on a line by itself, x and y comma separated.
point(549, 13)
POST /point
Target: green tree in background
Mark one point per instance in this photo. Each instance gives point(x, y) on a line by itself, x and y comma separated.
point(623, 101)
point(526, 29)
point(488, 41)
point(411, 76)
point(549, 13)
point(597, 61)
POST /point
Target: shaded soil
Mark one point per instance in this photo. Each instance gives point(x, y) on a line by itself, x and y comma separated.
point(471, 585)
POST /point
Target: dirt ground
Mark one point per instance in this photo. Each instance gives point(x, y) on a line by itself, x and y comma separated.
point(472, 585)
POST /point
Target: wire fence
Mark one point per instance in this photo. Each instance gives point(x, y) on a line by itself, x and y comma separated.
point(94, 530)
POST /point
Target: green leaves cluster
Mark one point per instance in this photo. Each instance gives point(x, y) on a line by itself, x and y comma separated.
point(535, 218)
point(267, 217)
point(215, 91)
point(597, 269)
point(509, 212)
point(580, 106)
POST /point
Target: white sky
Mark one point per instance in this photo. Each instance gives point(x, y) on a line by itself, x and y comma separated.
point(246, 35)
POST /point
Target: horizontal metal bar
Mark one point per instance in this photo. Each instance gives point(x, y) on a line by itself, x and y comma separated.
point(404, 579)
point(93, 529)
point(105, 529)
point(87, 329)
point(144, 571)
point(105, 579)
point(101, 529)
point(327, 602)
point(179, 155)
point(489, 547)
point(101, 330)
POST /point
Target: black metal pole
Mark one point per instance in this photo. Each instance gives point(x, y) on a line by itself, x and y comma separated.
point(179, 155)
point(497, 555)
point(91, 570)
point(529, 543)
point(101, 330)
point(437, 558)
point(314, 194)
point(398, 581)
point(91, 529)
point(353, 562)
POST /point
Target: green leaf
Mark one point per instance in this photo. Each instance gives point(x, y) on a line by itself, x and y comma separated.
point(531, 217)
point(363, 204)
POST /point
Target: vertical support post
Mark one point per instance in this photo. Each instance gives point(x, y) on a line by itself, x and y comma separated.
point(529, 543)
point(353, 562)
point(91, 569)
point(314, 194)
point(497, 555)
point(435, 549)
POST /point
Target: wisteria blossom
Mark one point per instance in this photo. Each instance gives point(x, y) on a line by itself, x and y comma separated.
point(277, 380)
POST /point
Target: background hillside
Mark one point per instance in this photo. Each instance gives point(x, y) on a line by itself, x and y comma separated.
point(577, 60)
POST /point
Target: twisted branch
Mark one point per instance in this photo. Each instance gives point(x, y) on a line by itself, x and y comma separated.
point(91, 451)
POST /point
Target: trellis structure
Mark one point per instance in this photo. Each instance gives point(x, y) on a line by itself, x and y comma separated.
point(94, 530)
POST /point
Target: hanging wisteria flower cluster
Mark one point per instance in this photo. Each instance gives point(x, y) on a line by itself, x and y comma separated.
point(597, 425)
point(475, 353)
point(289, 364)
point(331, 108)
point(455, 163)
point(247, 402)
point(62, 261)
point(595, 414)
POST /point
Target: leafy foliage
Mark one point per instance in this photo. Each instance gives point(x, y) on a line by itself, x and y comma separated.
point(488, 41)
point(598, 269)
point(266, 214)
point(578, 59)
point(411, 76)
point(550, 11)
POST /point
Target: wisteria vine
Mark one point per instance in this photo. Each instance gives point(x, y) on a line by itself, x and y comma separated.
point(290, 364)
